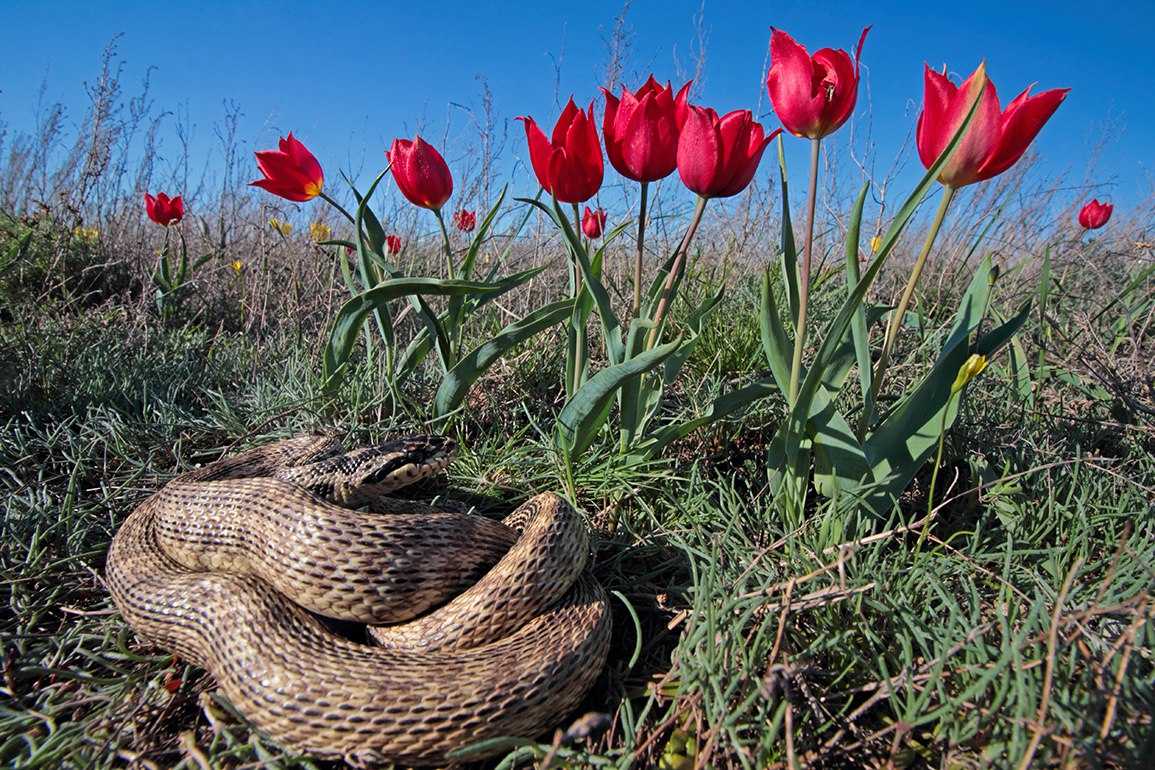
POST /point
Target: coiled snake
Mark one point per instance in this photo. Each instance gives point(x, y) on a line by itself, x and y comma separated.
point(225, 566)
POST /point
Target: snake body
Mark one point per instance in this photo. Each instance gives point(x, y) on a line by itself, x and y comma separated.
point(229, 565)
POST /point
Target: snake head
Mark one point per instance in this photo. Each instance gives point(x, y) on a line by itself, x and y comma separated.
point(355, 477)
point(402, 462)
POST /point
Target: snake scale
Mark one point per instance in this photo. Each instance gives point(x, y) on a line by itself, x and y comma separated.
point(480, 628)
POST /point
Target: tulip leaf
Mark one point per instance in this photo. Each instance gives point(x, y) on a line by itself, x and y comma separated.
point(775, 345)
point(794, 429)
point(611, 325)
point(465, 372)
point(789, 252)
point(352, 314)
point(909, 434)
point(421, 343)
point(858, 326)
point(720, 408)
point(584, 414)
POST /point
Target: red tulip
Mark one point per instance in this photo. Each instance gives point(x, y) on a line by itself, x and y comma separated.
point(421, 173)
point(1094, 215)
point(291, 171)
point(717, 157)
point(464, 220)
point(995, 138)
point(393, 244)
point(593, 222)
point(812, 95)
point(641, 130)
point(568, 165)
point(164, 210)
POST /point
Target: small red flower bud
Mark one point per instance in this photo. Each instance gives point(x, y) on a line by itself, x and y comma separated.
point(593, 222)
point(464, 220)
point(393, 244)
point(1094, 215)
point(164, 210)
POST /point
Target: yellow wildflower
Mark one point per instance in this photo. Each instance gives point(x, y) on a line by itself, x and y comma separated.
point(875, 242)
point(970, 369)
point(86, 233)
point(320, 231)
point(237, 266)
point(284, 228)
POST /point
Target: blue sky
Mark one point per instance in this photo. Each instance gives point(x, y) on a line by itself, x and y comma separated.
point(349, 77)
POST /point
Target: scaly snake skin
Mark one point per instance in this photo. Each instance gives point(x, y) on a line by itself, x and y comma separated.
point(225, 566)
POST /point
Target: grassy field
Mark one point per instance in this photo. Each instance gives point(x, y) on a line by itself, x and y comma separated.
point(1004, 621)
point(1010, 627)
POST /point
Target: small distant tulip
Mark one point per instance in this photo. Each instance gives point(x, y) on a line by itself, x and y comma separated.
point(812, 95)
point(291, 171)
point(464, 220)
point(641, 130)
point(164, 210)
point(319, 231)
point(995, 138)
point(717, 157)
point(569, 165)
point(1094, 215)
point(281, 226)
point(393, 244)
point(593, 222)
point(421, 173)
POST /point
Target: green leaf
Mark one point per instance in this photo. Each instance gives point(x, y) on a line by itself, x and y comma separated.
point(723, 406)
point(421, 344)
point(789, 252)
point(583, 415)
point(353, 313)
point(858, 326)
point(775, 345)
point(906, 438)
point(611, 325)
point(795, 432)
point(461, 377)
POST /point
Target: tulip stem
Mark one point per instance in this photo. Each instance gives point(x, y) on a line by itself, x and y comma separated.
point(904, 301)
point(804, 276)
point(450, 272)
point(337, 206)
point(637, 307)
point(675, 272)
point(579, 359)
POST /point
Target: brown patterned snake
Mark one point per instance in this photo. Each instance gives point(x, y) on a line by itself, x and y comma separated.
point(225, 565)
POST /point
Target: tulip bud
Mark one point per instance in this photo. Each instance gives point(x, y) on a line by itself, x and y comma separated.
point(1094, 215)
point(641, 130)
point(568, 165)
point(970, 369)
point(164, 210)
point(593, 222)
point(717, 157)
point(291, 171)
point(995, 138)
point(464, 220)
point(812, 95)
point(393, 244)
point(421, 173)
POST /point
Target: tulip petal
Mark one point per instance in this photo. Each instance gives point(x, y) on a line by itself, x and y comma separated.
point(1021, 123)
point(540, 151)
point(699, 150)
point(791, 85)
